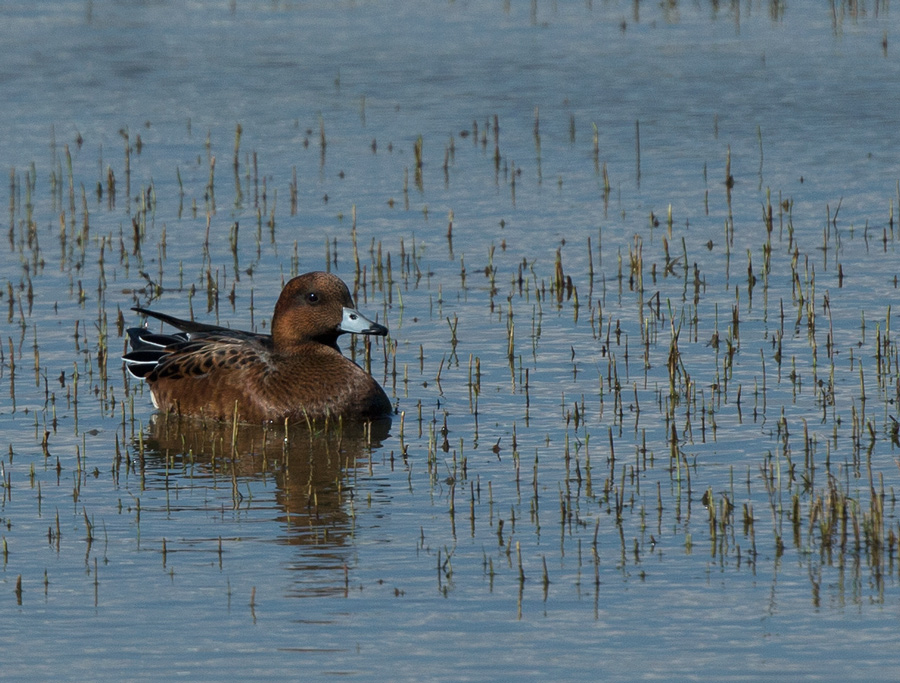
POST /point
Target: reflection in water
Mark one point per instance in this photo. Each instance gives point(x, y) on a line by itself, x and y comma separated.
point(313, 469)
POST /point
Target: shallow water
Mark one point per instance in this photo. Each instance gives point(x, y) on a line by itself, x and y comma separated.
point(626, 448)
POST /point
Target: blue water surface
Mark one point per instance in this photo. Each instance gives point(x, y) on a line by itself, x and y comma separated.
point(627, 473)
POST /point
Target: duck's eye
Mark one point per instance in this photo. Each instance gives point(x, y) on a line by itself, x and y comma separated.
point(312, 298)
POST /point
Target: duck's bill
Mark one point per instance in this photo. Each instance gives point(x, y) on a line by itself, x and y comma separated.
point(356, 323)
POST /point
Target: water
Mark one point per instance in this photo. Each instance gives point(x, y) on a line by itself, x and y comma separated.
point(685, 467)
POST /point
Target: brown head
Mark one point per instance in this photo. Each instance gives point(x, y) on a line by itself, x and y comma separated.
point(317, 307)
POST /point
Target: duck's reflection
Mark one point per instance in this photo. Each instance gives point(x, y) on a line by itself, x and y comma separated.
point(313, 470)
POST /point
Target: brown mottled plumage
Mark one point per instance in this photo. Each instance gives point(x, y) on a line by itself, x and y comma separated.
point(297, 373)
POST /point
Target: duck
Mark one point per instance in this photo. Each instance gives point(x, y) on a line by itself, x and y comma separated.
point(297, 373)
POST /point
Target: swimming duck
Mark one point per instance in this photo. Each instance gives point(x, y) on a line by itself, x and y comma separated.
point(296, 373)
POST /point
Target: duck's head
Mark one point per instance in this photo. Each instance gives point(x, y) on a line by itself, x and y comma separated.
point(318, 307)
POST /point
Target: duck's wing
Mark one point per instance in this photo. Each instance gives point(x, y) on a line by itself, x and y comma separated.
point(208, 375)
point(150, 349)
point(193, 354)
